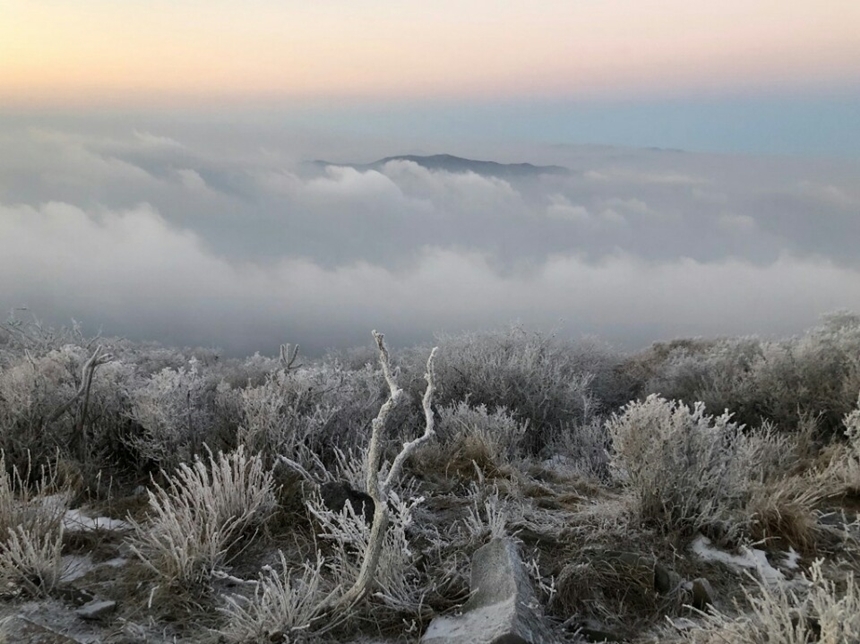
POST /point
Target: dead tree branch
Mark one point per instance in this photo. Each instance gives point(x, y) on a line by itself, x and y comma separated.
point(380, 492)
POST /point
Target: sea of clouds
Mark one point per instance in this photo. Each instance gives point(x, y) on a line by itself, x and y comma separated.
point(215, 234)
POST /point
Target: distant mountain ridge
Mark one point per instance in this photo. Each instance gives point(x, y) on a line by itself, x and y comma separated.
point(451, 163)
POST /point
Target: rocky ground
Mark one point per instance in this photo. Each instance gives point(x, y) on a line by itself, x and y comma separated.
point(549, 557)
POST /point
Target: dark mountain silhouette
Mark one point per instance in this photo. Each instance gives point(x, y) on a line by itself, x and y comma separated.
point(450, 163)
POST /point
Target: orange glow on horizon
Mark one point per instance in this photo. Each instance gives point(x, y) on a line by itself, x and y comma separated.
point(92, 51)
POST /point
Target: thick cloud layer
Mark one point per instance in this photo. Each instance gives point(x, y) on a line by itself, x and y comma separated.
point(215, 236)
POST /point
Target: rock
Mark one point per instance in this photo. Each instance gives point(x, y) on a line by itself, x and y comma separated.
point(502, 608)
point(74, 595)
point(96, 610)
point(337, 494)
point(703, 593)
point(594, 631)
point(20, 630)
point(666, 580)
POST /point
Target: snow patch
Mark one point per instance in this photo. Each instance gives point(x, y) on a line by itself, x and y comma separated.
point(76, 521)
point(750, 559)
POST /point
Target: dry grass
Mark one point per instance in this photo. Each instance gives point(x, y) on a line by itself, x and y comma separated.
point(472, 442)
point(782, 513)
point(31, 561)
point(31, 532)
point(283, 608)
point(826, 612)
point(198, 520)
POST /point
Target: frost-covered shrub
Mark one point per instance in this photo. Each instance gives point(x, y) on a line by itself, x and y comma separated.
point(32, 389)
point(31, 560)
point(397, 586)
point(175, 411)
point(844, 468)
point(717, 373)
point(313, 410)
point(691, 471)
point(816, 375)
point(852, 428)
point(583, 447)
point(31, 530)
point(683, 465)
point(284, 607)
point(202, 514)
point(824, 612)
point(540, 380)
point(471, 437)
point(30, 499)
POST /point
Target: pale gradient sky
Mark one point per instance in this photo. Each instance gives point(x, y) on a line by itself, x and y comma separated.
point(154, 176)
point(92, 52)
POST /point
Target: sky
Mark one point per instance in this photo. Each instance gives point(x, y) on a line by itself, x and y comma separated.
point(157, 51)
point(156, 182)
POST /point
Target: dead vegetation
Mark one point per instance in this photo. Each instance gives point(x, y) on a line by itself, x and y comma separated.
point(218, 535)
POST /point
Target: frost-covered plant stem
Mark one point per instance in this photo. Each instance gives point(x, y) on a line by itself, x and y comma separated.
point(380, 491)
point(96, 360)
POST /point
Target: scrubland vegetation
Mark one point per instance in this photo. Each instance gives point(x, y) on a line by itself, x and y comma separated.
point(607, 467)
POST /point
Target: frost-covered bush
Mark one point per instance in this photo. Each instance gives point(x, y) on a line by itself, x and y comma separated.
point(33, 388)
point(825, 612)
point(844, 468)
point(471, 437)
point(31, 560)
point(309, 411)
point(175, 412)
point(30, 499)
point(284, 607)
point(718, 373)
point(852, 429)
point(202, 514)
point(683, 465)
point(691, 471)
point(816, 375)
point(397, 586)
point(541, 380)
point(583, 447)
point(31, 529)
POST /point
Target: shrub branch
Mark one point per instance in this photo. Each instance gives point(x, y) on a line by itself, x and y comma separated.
point(380, 492)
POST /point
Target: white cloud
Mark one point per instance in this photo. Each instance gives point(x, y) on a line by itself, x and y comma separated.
point(153, 140)
point(736, 223)
point(134, 270)
point(238, 246)
point(829, 194)
point(561, 208)
point(191, 180)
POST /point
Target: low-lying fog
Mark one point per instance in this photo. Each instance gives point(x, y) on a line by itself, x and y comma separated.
point(218, 235)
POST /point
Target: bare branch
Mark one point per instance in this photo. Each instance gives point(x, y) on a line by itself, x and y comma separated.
point(96, 360)
point(288, 357)
point(429, 427)
point(380, 493)
point(374, 452)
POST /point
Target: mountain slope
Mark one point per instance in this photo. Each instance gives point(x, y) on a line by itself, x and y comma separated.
point(451, 163)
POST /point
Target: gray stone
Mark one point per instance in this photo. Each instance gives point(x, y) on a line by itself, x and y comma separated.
point(337, 494)
point(74, 595)
point(502, 609)
point(96, 610)
point(703, 593)
point(20, 630)
point(666, 580)
point(594, 631)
